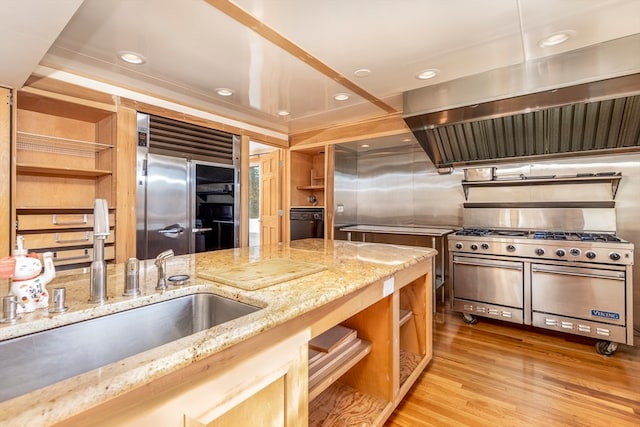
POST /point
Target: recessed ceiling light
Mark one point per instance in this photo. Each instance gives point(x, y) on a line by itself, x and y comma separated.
point(556, 38)
point(341, 96)
point(427, 74)
point(131, 57)
point(362, 72)
point(365, 146)
point(406, 140)
point(223, 91)
point(283, 113)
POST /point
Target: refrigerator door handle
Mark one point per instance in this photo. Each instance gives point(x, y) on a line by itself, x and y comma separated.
point(172, 231)
point(199, 230)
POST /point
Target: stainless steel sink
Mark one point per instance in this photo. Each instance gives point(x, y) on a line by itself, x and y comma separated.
point(38, 360)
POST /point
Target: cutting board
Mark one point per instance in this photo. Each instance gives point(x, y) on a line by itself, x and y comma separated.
point(261, 274)
point(329, 340)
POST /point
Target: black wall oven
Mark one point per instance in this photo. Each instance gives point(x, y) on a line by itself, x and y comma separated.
point(306, 223)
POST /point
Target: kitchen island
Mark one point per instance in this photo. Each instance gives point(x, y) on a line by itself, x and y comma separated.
point(434, 232)
point(260, 360)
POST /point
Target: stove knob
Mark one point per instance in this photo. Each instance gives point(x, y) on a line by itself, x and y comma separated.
point(561, 252)
point(590, 254)
point(575, 251)
point(511, 248)
point(615, 256)
point(474, 247)
point(458, 245)
point(539, 251)
point(484, 246)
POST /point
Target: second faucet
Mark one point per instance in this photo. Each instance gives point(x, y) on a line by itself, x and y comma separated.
point(161, 264)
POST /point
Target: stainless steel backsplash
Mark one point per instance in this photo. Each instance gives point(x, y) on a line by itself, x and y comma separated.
point(400, 186)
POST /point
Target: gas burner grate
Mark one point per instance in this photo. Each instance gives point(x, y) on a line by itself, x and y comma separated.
point(551, 235)
point(575, 236)
point(473, 232)
point(597, 237)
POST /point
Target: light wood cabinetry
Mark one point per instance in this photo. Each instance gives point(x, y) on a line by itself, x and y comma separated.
point(258, 382)
point(6, 217)
point(307, 177)
point(268, 379)
point(65, 159)
point(375, 374)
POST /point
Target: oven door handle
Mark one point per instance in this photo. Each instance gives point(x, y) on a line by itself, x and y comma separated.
point(611, 276)
point(489, 264)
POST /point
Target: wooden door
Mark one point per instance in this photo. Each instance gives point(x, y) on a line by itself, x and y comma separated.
point(270, 198)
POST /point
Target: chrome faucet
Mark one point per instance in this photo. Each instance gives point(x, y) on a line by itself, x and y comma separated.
point(161, 263)
point(9, 308)
point(98, 278)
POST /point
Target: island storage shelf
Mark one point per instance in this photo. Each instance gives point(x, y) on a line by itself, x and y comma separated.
point(403, 317)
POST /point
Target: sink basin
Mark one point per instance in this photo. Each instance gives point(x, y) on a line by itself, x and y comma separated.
point(38, 360)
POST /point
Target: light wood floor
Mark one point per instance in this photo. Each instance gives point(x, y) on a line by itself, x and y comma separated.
point(497, 374)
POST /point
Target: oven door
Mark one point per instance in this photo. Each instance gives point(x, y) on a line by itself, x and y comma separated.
point(593, 294)
point(488, 280)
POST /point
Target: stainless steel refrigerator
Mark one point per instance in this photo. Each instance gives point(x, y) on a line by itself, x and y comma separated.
point(183, 204)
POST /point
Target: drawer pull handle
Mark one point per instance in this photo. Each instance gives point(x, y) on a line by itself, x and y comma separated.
point(83, 221)
point(57, 258)
point(86, 239)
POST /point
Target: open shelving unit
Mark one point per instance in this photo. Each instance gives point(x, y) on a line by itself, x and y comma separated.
point(65, 159)
point(307, 177)
point(316, 182)
point(363, 380)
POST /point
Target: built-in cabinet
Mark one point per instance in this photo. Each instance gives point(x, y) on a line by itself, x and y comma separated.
point(308, 177)
point(65, 158)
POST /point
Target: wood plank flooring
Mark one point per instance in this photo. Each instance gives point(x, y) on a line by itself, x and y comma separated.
point(498, 374)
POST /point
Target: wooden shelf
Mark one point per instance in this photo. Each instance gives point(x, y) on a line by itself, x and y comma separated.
point(328, 368)
point(405, 316)
point(408, 364)
point(341, 405)
point(32, 169)
point(310, 187)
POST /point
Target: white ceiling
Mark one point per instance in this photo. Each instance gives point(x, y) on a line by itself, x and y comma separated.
point(192, 47)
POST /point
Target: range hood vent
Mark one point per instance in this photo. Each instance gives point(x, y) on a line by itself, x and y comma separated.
point(592, 118)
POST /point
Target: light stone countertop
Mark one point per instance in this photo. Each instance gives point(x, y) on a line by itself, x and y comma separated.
point(430, 231)
point(350, 266)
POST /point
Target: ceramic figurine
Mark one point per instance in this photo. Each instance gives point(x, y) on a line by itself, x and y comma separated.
point(29, 280)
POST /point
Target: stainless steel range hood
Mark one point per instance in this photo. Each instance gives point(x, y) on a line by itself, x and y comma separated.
point(559, 119)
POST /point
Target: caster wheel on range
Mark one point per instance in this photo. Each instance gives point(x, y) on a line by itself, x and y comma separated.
point(469, 319)
point(606, 348)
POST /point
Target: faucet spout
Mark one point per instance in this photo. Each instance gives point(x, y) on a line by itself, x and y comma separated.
point(161, 264)
point(98, 273)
